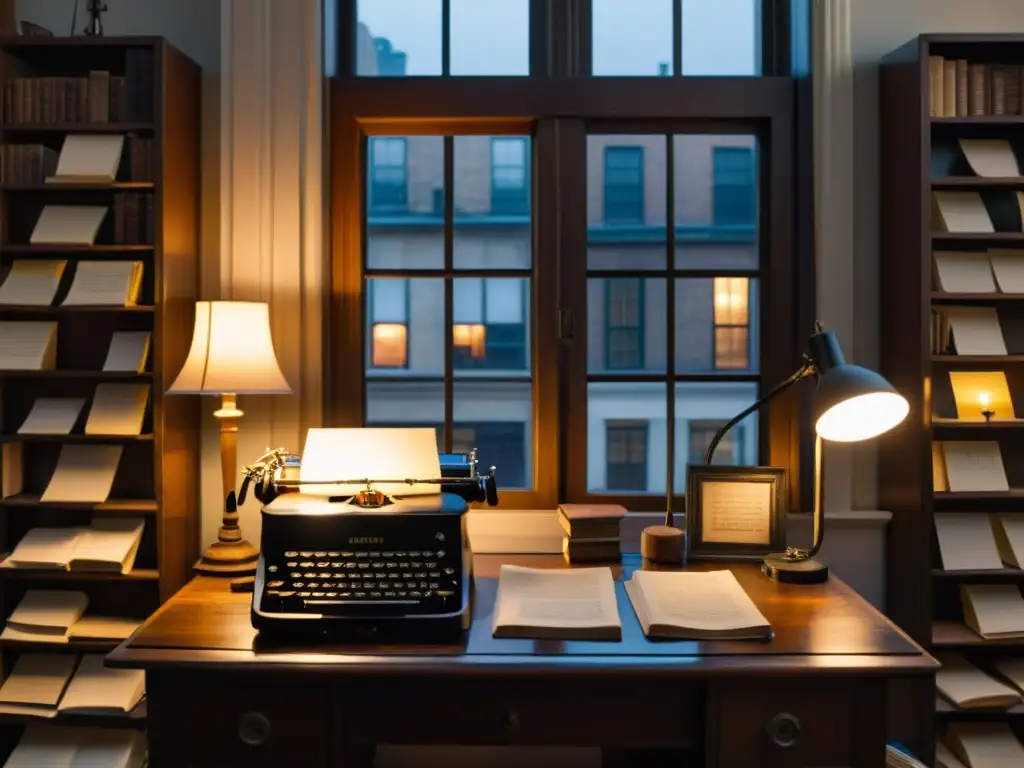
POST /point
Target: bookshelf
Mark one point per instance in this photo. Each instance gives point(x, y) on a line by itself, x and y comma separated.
point(919, 154)
point(153, 100)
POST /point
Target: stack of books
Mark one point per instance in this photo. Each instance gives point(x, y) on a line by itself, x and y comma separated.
point(591, 532)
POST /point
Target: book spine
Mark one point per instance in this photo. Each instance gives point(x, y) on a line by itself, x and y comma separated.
point(60, 87)
point(50, 158)
point(46, 99)
point(935, 86)
point(35, 103)
point(1013, 74)
point(119, 219)
point(34, 161)
point(117, 86)
point(99, 97)
point(18, 164)
point(962, 98)
point(18, 100)
point(71, 99)
point(9, 101)
point(949, 88)
point(978, 96)
point(82, 92)
point(998, 91)
point(150, 219)
point(132, 219)
point(134, 169)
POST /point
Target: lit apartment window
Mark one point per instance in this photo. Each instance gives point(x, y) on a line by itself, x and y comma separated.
point(388, 175)
point(389, 326)
point(489, 323)
point(732, 323)
point(626, 455)
point(730, 449)
point(735, 196)
point(624, 320)
point(624, 185)
point(509, 176)
point(500, 444)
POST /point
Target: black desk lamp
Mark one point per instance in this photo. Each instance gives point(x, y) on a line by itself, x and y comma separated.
point(850, 404)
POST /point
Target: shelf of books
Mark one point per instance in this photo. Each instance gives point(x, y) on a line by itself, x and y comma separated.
point(99, 188)
point(952, 340)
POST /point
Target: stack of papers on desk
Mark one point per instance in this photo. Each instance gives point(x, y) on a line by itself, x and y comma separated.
point(49, 746)
point(105, 283)
point(109, 544)
point(84, 473)
point(99, 690)
point(45, 615)
point(577, 604)
point(695, 605)
point(52, 416)
point(36, 684)
point(32, 282)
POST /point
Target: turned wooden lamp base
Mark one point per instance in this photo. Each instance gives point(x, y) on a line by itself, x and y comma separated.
point(231, 556)
point(662, 544)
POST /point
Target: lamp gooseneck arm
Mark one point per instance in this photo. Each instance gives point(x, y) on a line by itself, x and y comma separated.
point(807, 370)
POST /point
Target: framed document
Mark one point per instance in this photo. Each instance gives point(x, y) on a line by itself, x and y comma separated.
point(735, 512)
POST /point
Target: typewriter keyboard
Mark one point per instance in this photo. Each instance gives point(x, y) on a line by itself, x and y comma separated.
point(330, 582)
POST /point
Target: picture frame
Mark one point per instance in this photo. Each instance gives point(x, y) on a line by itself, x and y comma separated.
point(735, 513)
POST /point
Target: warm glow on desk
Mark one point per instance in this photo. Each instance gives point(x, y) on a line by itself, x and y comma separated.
point(471, 337)
point(390, 342)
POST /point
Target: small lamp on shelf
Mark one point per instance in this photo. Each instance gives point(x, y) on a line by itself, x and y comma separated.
point(232, 353)
point(851, 404)
point(985, 399)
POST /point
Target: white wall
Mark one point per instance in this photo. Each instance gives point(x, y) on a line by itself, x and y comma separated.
point(879, 26)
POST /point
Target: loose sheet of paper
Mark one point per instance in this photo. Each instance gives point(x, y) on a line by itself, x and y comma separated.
point(736, 513)
point(993, 610)
point(50, 547)
point(1008, 268)
point(117, 409)
point(45, 747)
point(84, 473)
point(68, 224)
point(109, 544)
point(374, 453)
point(1009, 532)
point(579, 598)
point(102, 628)
point(128, 351)
point(710, 600)
point(104, 283)
point(974, 465)
point(962, 212)
point(27, 346)
point(963, 272)
point(38, 679)
point(89, 158)
point(966, 542)
point(32, 282)
point(986, 745)
point(977, 391)
point(976, 330)
point(98, 689)
point(52, 416)
point(45, 615)
point(991, 158)
point(944, 758)
point(967, 686)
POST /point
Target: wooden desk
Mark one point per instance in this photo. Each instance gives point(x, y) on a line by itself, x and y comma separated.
point(217, 699)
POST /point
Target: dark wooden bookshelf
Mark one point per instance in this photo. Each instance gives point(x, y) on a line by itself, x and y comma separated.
point(948, 710)
point(157, 477)
point(79, 646)
point(134, 719)
point(919, 154)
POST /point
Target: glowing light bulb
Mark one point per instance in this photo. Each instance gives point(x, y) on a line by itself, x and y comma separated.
point(985, 399)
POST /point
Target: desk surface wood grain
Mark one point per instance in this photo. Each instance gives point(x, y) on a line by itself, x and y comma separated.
point(827, 627)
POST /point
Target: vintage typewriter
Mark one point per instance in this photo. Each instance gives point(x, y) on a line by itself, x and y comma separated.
point(353, 558)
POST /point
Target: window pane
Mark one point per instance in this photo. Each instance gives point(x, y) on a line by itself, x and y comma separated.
point(405, 202)
point(721, 37)
point(626, 186)
point(716, 201)
point(632, 38)
point(703, 407)
point(398, 37)
point(404, 327)
point(626, 440)
point(490, 330)
point(405, 403)
point(626, 319)
point(496, 419)
point(492, 202)
point(490, 37)
point(716, 325)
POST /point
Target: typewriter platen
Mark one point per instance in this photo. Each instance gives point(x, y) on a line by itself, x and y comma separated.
point(369, 565)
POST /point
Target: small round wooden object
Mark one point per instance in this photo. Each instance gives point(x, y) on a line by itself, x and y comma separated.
point(662, 544)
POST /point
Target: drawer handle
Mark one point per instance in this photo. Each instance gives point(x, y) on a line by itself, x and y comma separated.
point(510, 721)
point(254, 729)
point(784, 729)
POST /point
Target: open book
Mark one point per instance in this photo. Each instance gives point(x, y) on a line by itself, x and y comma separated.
point(969, 688)
point(99, 690)
point(50, 746)
point(109, 544)
point(577, 604)
point(45, 615)
point(36, 684)
point(693, 605)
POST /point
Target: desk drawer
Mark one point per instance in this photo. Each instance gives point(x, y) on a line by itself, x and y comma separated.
point(569, 712)
point(784, 723)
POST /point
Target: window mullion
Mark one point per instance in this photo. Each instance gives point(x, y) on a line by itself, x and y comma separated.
point(449, 288)
point(670, 330)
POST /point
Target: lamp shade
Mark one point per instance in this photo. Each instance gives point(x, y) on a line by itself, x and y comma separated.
point(853, 404)
point(232, 352)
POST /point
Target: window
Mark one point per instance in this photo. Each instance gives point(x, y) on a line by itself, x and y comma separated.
point(509, 177)
point(389, 330)
point(626, 450)
point(489, 323)
point(388, 184)
point(498, 444)
point(624, 337)
point(735, 192)
point(730, 449)
point(732, 323)
point(624, 185)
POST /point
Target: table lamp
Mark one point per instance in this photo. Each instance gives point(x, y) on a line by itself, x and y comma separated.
point(851, 404)
point(232, 354)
